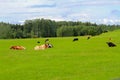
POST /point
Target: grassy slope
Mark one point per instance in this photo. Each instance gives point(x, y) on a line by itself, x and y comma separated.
point(83, 60)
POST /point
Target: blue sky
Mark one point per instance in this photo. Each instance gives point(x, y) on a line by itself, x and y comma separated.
point(94, 11)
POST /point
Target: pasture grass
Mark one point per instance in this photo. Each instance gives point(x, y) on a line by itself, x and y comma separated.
point(81, 60)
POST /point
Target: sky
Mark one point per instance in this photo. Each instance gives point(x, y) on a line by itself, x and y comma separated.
point(94, 11)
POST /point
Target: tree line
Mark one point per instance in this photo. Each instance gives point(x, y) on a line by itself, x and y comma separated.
point(49, 28)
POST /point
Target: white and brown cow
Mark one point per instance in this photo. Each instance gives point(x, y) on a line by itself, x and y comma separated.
point(41, 47)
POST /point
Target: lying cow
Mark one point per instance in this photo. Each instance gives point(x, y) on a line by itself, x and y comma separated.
point(50, 45)
point(17, 47)
point(43, 47)
point(111, 44)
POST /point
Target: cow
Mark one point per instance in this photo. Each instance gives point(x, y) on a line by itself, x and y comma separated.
point(50, 45)
point(105, 31)
point(111, 44)
point(110, 39)
point(46, 40)
point(88, 37)
point(75, 39)
point(41, 47)
point(17, 47)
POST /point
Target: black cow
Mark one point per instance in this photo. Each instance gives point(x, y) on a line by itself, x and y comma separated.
point(50, 45)
point(46, 40)
point(88, 37)
point(111, 44)
point(75, 39)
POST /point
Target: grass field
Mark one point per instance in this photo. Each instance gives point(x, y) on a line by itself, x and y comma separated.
point(81, 60)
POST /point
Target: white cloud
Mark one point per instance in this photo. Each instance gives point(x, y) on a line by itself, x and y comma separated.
point(89, 3)
point(109, 21)
point(99, 11)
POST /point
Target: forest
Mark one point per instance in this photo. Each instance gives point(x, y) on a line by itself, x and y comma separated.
point(38, 28)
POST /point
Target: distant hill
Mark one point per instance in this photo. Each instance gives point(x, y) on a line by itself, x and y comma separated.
point(115, 33)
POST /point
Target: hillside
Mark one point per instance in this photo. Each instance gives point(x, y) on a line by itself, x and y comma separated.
point(80, 60)
point(114, 35)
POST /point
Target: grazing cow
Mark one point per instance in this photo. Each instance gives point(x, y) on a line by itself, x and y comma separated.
point(41, 47)
point(17, 47)
point(105, 31)
point(110, 44)
point(46, 40)
point(110, 39)
point(88, 37)
point(75, 39)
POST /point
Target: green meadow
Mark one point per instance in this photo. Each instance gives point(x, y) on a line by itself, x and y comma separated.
point(80, 60)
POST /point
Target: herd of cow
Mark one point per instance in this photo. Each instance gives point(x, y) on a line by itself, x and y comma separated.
point(48, 45)
point(38, 47)
point(109, 43)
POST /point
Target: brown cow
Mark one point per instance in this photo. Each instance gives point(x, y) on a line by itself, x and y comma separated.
point(17, 47)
